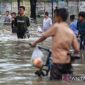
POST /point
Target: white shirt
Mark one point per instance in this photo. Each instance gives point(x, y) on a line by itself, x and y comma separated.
point(47, 23)
point(8, 19)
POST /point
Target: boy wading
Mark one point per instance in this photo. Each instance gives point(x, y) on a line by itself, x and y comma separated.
point(22, 22)
point(62, 38)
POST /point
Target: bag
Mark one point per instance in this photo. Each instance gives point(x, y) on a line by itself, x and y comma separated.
point(37, 54)
point(27, 34)
point(39, 29)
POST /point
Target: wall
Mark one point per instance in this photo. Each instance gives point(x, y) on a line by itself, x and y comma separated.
point(73, 6)
point(11, 5)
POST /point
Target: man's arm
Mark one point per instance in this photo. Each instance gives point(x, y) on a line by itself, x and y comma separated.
point(12, 24)
point(45, 35)
point(38, 41)
point(27, 21)
point(15, 22)
point(75, 45)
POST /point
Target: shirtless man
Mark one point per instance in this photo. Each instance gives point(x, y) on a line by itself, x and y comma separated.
point(62, 38)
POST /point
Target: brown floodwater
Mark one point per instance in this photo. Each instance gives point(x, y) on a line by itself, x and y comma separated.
point(16, 67)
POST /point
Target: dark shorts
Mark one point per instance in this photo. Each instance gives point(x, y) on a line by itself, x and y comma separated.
point(57, 70)
point(21, 33)
point(14, 30)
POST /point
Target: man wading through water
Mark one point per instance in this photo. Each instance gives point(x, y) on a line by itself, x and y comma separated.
point(21, 23)
point(62, 37)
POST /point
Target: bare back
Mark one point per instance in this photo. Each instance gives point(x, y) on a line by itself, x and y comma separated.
point(61, 44)
point(63, 38)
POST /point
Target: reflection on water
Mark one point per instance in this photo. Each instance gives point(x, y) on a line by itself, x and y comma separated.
point(15, 62)
point(16, 68)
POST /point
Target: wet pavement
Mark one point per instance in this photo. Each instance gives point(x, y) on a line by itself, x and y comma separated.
point(16, 67)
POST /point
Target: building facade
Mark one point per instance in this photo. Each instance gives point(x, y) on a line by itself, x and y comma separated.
point(12, 6)
point(73, 6)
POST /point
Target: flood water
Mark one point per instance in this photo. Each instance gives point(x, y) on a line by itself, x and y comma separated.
point(16, 67)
